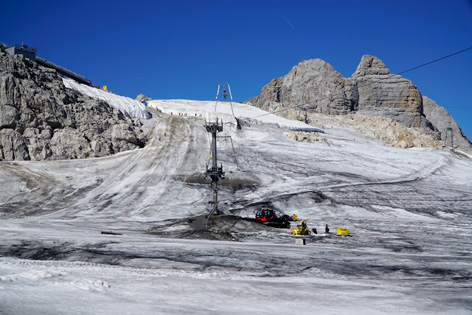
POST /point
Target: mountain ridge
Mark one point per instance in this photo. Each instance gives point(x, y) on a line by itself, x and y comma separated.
point(314, 86)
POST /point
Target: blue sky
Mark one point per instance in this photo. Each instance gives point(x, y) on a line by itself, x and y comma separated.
point(184, 49)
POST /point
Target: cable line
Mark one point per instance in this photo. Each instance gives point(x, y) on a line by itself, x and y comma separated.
point(436, 60)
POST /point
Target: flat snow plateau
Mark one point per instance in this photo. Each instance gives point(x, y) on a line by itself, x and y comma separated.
point(112, 235)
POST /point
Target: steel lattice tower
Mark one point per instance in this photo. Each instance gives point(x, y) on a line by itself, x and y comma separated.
point(214, 172)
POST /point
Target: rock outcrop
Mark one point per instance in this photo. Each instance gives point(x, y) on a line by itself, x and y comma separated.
point(40, 119)
point(387, 95)
point(308, 137)
point(450, 131)
point(143, 98)
point(315, 87)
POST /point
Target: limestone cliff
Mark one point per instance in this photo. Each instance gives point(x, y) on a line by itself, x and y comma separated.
point(40, 119)
point(387, 95)
point(315, 87)
point(441, 119)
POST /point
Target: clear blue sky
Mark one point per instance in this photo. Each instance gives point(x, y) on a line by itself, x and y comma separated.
point(184, 49)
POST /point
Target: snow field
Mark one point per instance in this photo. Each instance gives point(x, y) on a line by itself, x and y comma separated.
point(408, 212)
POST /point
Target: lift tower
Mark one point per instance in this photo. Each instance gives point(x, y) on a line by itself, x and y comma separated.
point(223, 93)
point(214, 172)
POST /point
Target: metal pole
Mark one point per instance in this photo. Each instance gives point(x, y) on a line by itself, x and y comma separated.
point(230, 99)
point(224, 95)
point(214, 182)
point(213, 146)
point(214, 172)
point(217, 94)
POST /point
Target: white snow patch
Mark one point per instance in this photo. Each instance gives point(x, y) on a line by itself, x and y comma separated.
point(211, 110)
point(132, 107)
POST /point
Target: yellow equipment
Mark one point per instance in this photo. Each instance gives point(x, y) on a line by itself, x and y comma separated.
point(343, 232)
point(301, 229)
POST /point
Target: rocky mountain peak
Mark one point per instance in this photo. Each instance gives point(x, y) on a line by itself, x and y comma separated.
point(143, 98)
point(371, 65)
point(314, 86)
point(313, 83)
point(315, 65)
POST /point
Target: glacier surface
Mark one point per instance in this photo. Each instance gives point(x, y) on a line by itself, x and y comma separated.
point(111, 235)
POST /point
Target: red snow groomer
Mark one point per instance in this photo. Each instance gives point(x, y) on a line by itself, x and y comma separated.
point(268, 217)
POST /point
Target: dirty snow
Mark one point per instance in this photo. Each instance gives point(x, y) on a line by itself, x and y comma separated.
point(408, 211)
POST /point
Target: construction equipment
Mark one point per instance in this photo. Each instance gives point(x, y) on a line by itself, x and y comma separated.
point(268, 217)
point(342, 232)
point(301, 229)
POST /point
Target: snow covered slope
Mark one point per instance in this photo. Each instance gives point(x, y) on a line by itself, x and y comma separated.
point(134, 108)
point(408, 210)
point(210, 110)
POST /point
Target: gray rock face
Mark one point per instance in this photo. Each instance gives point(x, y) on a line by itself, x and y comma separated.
point(387, 95)
point(441, 119)
point(315, 86)
point(143, 98)
point(371, 65)
point(40, 119)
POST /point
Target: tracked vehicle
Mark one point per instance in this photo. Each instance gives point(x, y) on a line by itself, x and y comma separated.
point(269, 217)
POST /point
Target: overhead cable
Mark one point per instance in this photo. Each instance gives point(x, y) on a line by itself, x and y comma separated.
point(436, 60)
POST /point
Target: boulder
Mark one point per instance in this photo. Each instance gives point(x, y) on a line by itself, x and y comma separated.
point(143, 98)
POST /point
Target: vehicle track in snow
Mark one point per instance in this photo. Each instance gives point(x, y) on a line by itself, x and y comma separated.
point(148, 180)
point(327, 185)
point(419, 174)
